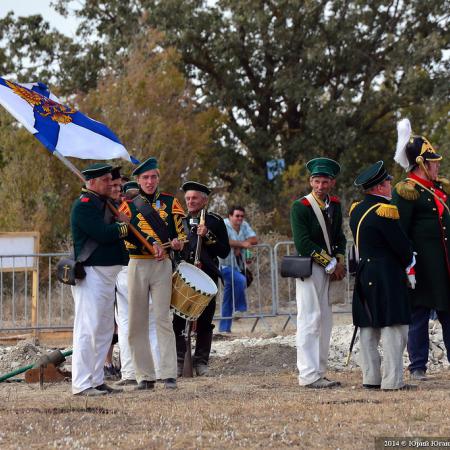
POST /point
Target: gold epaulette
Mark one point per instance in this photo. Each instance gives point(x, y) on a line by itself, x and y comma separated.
point(445, 184)
point(354, 204)
point(322, 258)
point(388, 211)
point(407, 190)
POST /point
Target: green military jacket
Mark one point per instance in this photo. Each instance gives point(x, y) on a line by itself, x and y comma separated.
point(89, 220)
point(308, 235)
point(380, 296)
point(427, 224)
point(168, 208)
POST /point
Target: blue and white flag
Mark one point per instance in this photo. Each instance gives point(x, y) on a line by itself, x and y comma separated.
point(57, 126)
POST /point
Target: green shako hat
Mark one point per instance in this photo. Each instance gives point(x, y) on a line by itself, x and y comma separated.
point(373, 175)
point(323, 167)
point(149, 164)
point(96, 170)
point(194, 186)
point(130, 185)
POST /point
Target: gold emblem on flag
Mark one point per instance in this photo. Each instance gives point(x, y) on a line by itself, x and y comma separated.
point(43, 105)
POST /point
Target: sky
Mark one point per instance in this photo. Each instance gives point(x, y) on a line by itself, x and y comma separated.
point(28, 7)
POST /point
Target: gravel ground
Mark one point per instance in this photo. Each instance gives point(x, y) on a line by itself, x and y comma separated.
point(267, 353)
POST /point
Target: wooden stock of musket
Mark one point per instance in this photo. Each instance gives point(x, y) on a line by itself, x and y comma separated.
point(188, 370)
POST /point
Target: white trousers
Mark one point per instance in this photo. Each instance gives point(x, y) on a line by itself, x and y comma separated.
point(314, 323)
point(126, 361)
point(93, 325)
point(393, 343)
point(155, 277)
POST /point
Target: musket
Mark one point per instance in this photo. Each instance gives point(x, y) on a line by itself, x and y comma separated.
point(352, 343)
point(188, 370)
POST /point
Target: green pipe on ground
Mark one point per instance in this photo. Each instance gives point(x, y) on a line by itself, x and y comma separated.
point(25, 368)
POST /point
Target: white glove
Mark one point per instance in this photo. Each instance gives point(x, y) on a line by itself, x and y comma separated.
point(412, 281)
point(331, 267)
point(413, 262)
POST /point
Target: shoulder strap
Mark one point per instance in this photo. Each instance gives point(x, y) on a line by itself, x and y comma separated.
point(153, 218)
point(319, 215)
point(88, 248)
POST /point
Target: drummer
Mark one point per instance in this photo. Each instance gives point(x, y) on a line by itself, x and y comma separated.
point(158, 217)
point(214, 244)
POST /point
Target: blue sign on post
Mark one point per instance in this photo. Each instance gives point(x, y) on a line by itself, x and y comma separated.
point(274, 168)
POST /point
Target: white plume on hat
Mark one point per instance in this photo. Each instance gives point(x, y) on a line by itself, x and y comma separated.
point(403, 135)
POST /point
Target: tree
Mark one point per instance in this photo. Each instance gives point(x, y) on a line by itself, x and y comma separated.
point(295, 78)
point(32, 50)
point(150, 106)
point(36, 189)
point(108, 29)
point(298, 79)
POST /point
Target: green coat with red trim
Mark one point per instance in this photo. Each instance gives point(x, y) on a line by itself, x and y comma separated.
point(308, 235)
point(429, 231)
point(87, 220)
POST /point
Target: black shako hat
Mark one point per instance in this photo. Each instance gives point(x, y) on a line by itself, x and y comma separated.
point(194, 186)
point(115, 173)
point(373, 175)
point(419, 146)
point(96, 170)
point(130, 185)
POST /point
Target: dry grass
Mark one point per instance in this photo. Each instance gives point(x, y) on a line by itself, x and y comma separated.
point(223, 412)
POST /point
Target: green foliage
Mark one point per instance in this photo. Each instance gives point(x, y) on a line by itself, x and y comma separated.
point(299, 79)
point(291, 79)
point(33, 50)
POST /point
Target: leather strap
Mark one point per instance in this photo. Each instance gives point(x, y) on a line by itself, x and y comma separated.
point(318, 212)
point(153, 218)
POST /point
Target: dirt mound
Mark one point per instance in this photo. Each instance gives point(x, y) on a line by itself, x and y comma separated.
point(267, 359)
point(22, 354)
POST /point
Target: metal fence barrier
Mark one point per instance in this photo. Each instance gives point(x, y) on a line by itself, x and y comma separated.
point(260, 296)
point(30, 296)
point(32, 299)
